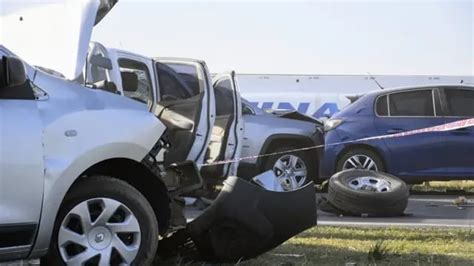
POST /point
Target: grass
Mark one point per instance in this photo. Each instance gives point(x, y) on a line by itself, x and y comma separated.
point(327, 245)
point(377, 251)
point(444, 186)
point(330, 245)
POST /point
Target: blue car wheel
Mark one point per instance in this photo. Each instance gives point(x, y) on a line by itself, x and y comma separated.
point(360, 158)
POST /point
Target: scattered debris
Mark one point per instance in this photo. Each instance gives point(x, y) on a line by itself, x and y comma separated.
point(460, 201)
point(289, 255)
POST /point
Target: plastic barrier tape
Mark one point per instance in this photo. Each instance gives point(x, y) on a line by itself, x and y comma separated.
point(441, 128)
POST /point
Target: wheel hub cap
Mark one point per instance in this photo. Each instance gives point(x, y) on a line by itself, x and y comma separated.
point(370, 183)
point(290, 171)
point(360, 161)
point(99, 231)
point(99, 237)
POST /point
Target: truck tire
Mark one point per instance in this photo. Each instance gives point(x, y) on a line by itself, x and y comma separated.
point(103, 221)
point(362, 192)
point(303, 161)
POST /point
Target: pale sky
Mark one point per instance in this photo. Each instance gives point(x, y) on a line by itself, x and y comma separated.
point(323, 37)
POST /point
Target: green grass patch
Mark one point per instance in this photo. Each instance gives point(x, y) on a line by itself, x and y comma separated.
point(327, 245)
point(444, 186)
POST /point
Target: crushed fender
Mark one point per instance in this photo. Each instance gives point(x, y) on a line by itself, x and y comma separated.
point(246, 220)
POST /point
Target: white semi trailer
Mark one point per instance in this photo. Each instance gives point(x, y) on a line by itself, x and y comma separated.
point(323, 95)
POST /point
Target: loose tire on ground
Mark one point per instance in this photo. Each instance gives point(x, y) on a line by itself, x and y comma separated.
point(360, 202)
point(116, 190)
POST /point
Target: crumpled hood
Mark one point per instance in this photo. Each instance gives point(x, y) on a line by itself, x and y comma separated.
point(294, 115)
point(54, 34)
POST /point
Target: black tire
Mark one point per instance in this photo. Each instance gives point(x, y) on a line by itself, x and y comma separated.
point(360, 202)
point(303, 155)
point(107, 187)
point(360, 151)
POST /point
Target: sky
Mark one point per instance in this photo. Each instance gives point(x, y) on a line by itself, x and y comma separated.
point(419, 37)
point(296, 37)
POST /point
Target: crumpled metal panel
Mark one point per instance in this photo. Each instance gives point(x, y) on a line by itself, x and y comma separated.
point(246, 220)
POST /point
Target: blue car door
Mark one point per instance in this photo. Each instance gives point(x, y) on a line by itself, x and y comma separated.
point(458, 150)
point(416, 155)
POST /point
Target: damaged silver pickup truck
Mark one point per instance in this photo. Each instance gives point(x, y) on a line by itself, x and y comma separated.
point(82, 179)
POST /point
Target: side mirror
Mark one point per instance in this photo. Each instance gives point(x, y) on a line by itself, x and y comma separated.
point(107, 86)
point(13, 72)
point(100, 61)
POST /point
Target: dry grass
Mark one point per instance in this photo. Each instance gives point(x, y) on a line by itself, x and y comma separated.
point(330, 245)
point(324, 245)
point(443, 186)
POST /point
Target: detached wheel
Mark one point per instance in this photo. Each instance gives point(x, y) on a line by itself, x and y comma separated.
point(293, 170)
point(360, 158)
point(358, 192)
point(104, 221)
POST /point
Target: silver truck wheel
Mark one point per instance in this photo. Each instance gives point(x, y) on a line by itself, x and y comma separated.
point(291, 171)
point(370, 183)
point(99, 228)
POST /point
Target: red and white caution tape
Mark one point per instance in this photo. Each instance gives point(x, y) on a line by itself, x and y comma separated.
point(441, 128)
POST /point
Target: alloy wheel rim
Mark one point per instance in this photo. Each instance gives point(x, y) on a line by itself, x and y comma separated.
point(290, 171)
point(370, 183)
point(360, 161)
point(100, 231)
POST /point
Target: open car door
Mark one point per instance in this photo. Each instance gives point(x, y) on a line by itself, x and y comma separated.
point(186, 106)
point(227, 133)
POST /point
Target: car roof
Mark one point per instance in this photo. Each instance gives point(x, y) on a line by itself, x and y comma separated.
point(178, 59)
point(416, 87)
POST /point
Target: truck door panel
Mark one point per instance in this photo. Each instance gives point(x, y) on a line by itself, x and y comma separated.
point(227, 132)
point(185, 109)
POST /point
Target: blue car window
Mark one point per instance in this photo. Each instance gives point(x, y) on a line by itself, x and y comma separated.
point(381, 106)
point(460, 102)
point(412, 103)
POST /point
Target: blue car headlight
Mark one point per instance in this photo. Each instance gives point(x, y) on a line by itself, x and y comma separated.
point(331, 124)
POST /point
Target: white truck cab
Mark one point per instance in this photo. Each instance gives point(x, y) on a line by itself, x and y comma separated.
point(180, 93)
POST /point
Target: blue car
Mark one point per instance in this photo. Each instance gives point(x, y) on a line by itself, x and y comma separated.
point(416, 158)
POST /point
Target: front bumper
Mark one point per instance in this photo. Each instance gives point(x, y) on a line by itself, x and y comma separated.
point(330, 154)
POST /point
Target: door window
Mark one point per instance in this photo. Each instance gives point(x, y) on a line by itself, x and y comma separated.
point(412, 103)
point(136, 81)
point(190, 75)
point(224, 97)
point(172, 85)
point(382, 106)
point(459, 102)
point(179, 81)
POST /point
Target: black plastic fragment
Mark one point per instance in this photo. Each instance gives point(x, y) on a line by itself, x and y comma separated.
point(246, 220)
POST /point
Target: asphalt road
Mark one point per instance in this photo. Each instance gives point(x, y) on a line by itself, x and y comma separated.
point(422, 211)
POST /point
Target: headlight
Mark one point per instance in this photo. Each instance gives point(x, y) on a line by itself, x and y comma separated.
point(331, 124)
